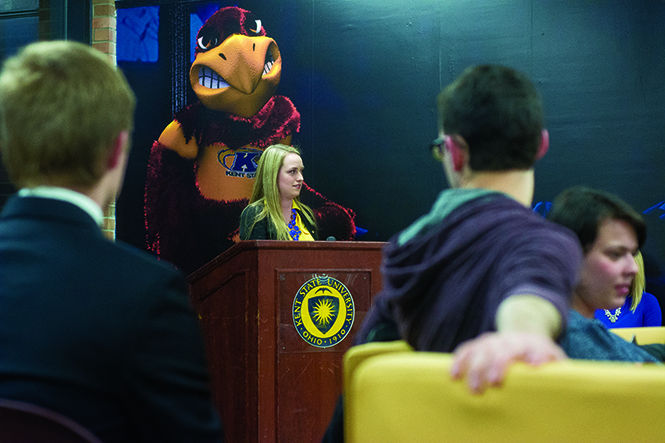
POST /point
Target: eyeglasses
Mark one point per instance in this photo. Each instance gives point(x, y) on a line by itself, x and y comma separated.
point(437, 147)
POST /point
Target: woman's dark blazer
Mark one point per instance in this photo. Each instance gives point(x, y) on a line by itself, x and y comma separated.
point(263, 229)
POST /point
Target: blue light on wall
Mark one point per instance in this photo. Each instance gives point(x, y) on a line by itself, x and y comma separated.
point(542, 207)
point(658, 207)
point(137, 34)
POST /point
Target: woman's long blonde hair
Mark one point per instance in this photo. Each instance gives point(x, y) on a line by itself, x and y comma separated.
point(639, 282)
point(266, 190)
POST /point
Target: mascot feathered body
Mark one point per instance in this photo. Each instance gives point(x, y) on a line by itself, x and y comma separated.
point(201, 169)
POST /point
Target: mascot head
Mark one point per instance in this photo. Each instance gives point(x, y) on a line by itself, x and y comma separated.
point(237, 67)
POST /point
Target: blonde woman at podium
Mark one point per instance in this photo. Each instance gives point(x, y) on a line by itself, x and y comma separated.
point(275, 211)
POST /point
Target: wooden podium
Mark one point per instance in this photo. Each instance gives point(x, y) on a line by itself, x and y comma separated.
point(269, 383)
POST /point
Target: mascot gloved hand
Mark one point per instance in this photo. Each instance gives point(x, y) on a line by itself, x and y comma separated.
point(201, 169)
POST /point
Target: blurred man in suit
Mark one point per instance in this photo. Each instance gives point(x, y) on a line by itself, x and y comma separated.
point(93, 329)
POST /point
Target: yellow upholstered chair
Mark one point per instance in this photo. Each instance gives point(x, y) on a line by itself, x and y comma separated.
point(410, 397)
point(643, 336)
point(358, 354)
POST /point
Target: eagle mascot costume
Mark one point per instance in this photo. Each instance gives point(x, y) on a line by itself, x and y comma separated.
point(201, 169)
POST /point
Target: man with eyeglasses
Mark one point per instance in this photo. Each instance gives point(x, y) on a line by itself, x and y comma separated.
point(481, 275)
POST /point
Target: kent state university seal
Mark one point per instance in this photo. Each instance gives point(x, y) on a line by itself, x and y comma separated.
point(323, 311)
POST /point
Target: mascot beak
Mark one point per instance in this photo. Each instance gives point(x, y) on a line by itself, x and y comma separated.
point(244, 60)
point(239, 75)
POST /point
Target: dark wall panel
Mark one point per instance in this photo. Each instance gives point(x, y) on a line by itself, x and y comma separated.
point(364, 76)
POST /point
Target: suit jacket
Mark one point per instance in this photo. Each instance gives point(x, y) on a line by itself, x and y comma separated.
point(97, 330)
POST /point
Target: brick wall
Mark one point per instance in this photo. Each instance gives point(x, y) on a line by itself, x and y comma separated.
point(104, 38)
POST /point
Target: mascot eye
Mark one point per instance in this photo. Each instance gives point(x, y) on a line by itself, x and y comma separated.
point(207, 42)
point(252, 25)
point(257, 28)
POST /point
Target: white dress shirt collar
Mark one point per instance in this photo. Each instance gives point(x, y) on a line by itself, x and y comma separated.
point(76, 198)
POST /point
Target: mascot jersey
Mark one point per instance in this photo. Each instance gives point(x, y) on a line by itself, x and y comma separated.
point(201, 169)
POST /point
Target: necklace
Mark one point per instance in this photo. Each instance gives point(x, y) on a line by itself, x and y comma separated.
point(294, 230)
point(613, 317)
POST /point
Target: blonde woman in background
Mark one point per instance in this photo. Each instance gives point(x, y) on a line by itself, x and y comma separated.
point(640, 308)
